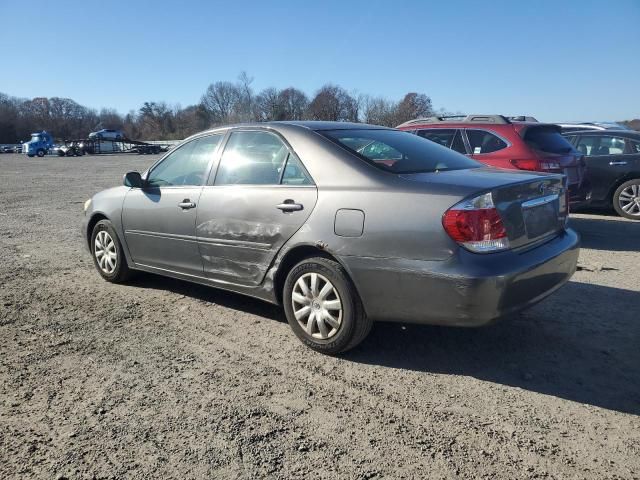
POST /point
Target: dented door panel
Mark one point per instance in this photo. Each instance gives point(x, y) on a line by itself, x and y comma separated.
point(240, 228)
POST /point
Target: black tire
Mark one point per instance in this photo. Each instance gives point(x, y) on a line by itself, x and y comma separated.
point(40, 153)
point(635, 209)
point(121, 272)
point(355, 324)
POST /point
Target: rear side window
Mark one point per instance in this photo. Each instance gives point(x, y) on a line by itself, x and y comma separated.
point(443, 136)
point(482, 141)
point(547, 140)
point(399, 152)
point(600, 145)
point(446, 137)
point(252, 158)
point(295, 173)
point(635, 146)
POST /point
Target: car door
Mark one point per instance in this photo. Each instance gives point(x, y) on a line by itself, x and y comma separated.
point(159, 220)
point(260, 197)
point(608, 160)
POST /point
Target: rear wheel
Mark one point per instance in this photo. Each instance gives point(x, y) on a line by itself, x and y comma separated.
point(323, 307)
point(107, 253)
point(626, 199)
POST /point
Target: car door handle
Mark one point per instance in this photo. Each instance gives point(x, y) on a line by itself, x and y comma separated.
point(289, 206)
point(617, 163)
point(186, 204)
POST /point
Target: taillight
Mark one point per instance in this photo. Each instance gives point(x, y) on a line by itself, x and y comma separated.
point(476, 225)
point(526, 164)
point(535, 165)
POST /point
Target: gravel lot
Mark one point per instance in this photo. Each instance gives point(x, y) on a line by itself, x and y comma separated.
point(164, 379)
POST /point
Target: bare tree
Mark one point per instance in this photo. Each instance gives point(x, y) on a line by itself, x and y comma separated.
point(294, 104)
point(413, 105)
point(268, 106)
point(332, 102)
point(379, 111)
point(222, 103)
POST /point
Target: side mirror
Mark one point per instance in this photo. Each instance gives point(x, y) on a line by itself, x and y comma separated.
point(133, 180)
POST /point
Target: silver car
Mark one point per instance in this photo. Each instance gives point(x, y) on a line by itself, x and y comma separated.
point(342, 224)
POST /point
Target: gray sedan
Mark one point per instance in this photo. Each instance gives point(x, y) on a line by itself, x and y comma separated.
point(342, 224)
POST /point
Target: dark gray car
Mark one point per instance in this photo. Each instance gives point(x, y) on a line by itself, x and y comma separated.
point(342, 224)
point(613, 168)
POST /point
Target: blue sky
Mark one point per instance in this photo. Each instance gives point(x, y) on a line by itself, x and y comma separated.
point(556, 60)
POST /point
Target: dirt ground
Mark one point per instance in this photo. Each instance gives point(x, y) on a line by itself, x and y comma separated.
point(164, 379)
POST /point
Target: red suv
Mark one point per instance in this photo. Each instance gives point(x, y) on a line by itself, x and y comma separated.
point(519, 143)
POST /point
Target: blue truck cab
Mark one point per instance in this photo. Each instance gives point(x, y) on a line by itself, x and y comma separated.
point(39, 144)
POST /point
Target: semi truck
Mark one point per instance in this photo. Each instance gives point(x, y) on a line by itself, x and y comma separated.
point(39, 144)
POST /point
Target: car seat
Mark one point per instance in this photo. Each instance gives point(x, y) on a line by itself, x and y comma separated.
point(602, 151)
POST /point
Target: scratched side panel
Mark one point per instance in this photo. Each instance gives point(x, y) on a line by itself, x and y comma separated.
point(239, 228)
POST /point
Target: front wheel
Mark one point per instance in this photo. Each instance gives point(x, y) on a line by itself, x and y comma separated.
point(323, 308)
point(107, 253)
point(626, 199)
point(40, 153)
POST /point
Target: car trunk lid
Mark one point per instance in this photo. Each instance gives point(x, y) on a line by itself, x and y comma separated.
point(532, 206)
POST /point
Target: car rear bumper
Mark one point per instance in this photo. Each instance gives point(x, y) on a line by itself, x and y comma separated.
point(467, 289)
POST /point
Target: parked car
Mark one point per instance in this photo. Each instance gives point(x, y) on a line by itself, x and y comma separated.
point(613, 168)
point(576, 127)
point(107, 134)
point(342, 224)
point(500, 142)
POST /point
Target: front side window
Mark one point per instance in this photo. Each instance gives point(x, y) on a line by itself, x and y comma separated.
point(399, 152)
point(600, 145)
point(186, 166)
point(482, 141)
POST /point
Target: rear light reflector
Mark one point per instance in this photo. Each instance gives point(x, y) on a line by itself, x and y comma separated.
point(549, 165)
point(476, 225)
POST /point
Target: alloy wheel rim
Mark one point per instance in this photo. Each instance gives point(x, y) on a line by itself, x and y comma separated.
point(317, 306)
point(629, 200)
point(105, 252)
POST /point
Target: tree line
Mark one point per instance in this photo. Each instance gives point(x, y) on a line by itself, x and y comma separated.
point(223, 102)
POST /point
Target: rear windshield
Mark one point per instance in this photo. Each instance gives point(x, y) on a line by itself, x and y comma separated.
point(399, 152)
point(547, 140)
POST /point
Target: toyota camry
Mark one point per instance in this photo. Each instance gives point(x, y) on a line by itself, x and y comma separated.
point(342, 224)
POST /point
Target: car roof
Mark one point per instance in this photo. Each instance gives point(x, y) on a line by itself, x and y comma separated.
point(606, 133)
point(326, 125)
point(299, 125)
